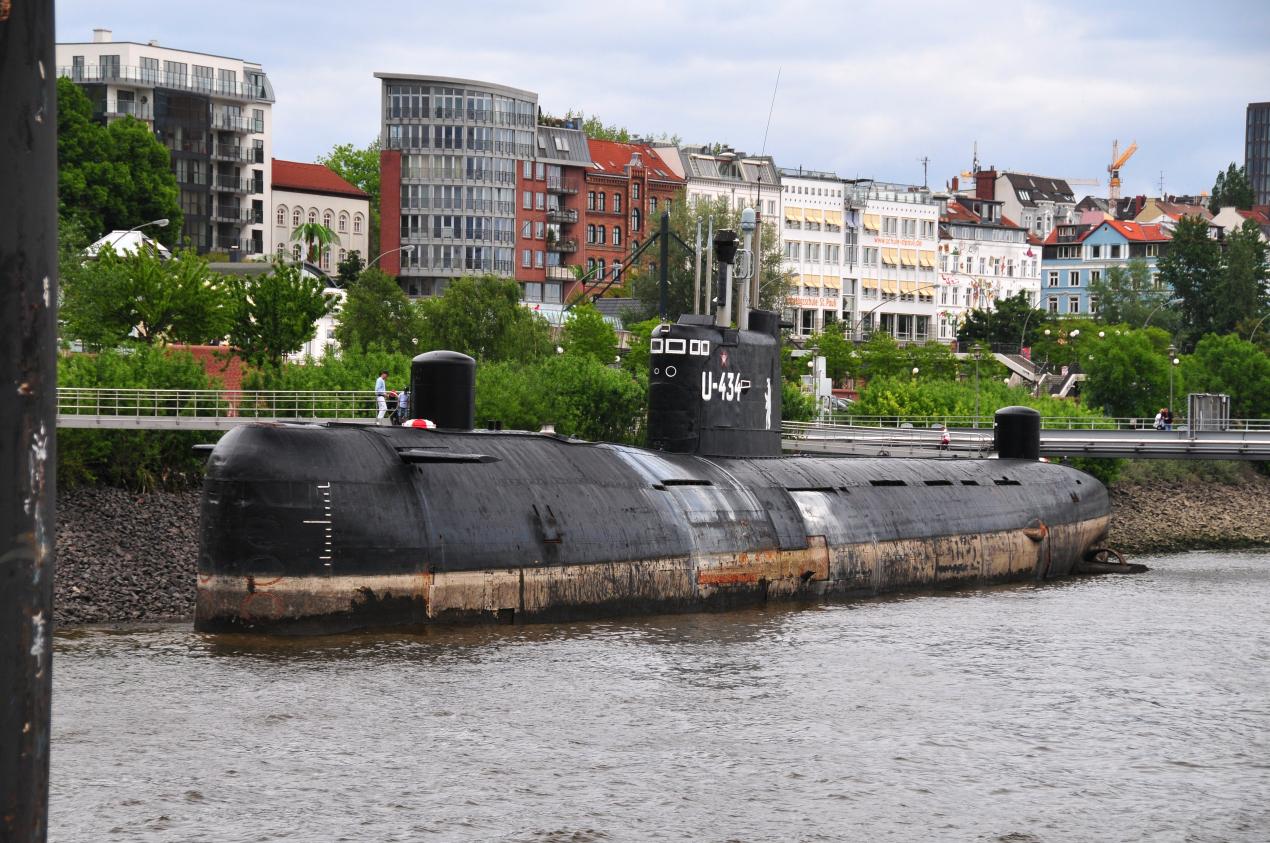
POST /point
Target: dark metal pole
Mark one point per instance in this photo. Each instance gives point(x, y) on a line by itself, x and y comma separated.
point(28, 333)
point(663, 269)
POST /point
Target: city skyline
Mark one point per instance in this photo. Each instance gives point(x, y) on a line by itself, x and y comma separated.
point(1039, 87)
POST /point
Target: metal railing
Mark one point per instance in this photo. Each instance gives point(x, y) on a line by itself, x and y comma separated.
point(150, 77)
point(207, 408)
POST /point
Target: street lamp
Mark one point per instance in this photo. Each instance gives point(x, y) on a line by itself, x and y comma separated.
point(976, 349)
point(1173, 361)
point(1154, 310)
point(873, 309)
point(407, 248)
point(159, 223)
point(1253, 332)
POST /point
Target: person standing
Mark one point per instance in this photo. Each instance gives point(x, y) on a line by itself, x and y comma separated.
point(381, 394)
point(1167, 413)
point(1159, 420)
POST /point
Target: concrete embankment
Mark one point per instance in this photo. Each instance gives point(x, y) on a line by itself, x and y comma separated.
point(129, 556)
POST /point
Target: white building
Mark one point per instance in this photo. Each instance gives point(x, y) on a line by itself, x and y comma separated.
point(212, 112)
point(983, 256)
point(305, 193)
point(812, 242)
point(745, 181)
point(1037, 203)
point(898, 242)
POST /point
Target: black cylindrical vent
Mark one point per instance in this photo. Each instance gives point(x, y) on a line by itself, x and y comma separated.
point(443, 389)
point(765, 322)
point(1018, 433)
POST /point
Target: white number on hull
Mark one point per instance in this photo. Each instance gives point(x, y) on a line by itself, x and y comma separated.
point(728, 387)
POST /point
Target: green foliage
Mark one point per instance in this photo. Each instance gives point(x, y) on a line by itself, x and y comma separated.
point(483, 318)
point(359, 166)
point(132, 458)
point(594, 127)
point(348, 270)
point(315, 237)
point(1243, 288)
point(586, 333)
point(1126, 375)
point(580, 395)
point(1192, 268)
point(908, 396)
point(643, 283)
point(377, 314)
point(345, 369)
point(1005, 323)
point(635, 360)
point(140, 296)
point(1230, 365)
point(1127, 295)
point(1231, 188)
point(274, 314)
point(112, 177)
point(1154, 472)
point(841, 361)
point(796, 405)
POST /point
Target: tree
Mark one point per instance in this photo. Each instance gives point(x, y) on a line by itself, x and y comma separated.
point(143, 298)
point(588, 334)
point(1005, 323)
point(1192, 269)
point(1242, 290)
point(316, 237)
point(1126, 295)
point(1235, 367)
point(1231, 188)
point(359, 166)
point(643, 281)
point(377, 314)
point(349, 269)
point(593, 127)
point(482, 317)
point(112, 177)
point(1126, 375)
point(275, 313)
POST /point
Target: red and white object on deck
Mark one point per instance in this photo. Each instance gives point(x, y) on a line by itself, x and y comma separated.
point(419, 423)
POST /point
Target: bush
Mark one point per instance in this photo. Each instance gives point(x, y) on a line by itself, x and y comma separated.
point(137, 459)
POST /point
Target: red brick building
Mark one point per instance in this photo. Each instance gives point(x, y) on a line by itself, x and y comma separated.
point(627, 187)
point(548, 215)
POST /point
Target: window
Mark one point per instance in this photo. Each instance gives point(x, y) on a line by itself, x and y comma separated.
point(540, 171)
point(526, 229)
point(590, 234)
point(617, 236)
point(635, 191)
point(326, 219)
point(600, 201)
point(538, 259)
point(652, 205)
point(1095, 251)
point(1073, 278)
point(1073, 304)
point(540, 201)
point(1053, 278)
point(889, 225)
point(617, 203)
point(109, 67)
point(295, 251)
point(635, 220)
point(1052, 304)
point(1093, 304)
point(1115, 251)
point(599, 234)
point(175, 73)
point(528, 172)
point(295, 218)
point(527, 198)
point(1095, 275)
point(590, 200)
point(282, 216)
point(343, 222)
point(313, 215)
point(540, 229)
point(357, 223)
point(149, 68)
point(525, 255)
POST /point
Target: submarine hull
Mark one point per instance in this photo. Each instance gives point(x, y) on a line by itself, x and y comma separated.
point(327, 528)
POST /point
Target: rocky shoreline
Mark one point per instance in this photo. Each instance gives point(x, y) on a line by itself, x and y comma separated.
point(130, 556)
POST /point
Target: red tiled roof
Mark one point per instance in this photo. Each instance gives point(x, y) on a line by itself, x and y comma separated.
point(312, 178)
point(958, 212)
point(1140, 233)
point(1260, 214)
point(612, 157)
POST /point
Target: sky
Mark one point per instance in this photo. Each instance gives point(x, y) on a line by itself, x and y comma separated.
point(865, 88)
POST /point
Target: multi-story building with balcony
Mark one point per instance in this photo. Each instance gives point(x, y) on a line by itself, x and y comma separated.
point(1257, 151)
point(304, 193)
point(448, 175)
point(898, 242)
point(1038, 203)
point(813, 243)
point(549, 251)
point(627, 188)
point(983, 256)
point(1076, 255)
point(212, 112)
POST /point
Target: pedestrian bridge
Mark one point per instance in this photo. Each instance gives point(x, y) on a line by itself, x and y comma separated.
point(221, 409)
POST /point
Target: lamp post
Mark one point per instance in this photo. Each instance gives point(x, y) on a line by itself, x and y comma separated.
point(873, 309)
point(976, 350)
point(159, 223)
point(1023, 333)
point(1156, 309)
point(407, 248)
point(1253, 332)
point(1173, 361)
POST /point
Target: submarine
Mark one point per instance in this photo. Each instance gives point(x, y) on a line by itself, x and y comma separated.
point(320, 528)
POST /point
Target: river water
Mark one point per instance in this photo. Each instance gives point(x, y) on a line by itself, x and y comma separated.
point(1112, 708)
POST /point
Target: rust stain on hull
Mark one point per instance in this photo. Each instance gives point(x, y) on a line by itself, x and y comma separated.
point(695, 582)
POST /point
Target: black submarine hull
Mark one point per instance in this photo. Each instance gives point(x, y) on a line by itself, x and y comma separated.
point(325, 528)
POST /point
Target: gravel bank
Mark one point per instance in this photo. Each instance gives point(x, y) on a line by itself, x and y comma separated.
point(127, 556)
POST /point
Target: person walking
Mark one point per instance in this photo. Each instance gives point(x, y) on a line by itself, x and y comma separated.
point(381, 394)
point(1158, 424)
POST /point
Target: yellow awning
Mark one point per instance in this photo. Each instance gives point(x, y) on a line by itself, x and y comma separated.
point(814, 215)
point(795, 214)
point(868, 283)
point(908, 286)
point(928, 259)
point(873, 222)
point(890, 257)
point(833, 282)
point(892, 287)
point(809, 280)
point(908, 257)
point(833, 218)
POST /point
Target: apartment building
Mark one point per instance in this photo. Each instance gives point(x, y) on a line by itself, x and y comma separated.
point(1076, 255)
point(898, 242)
point(813, 239)
point(745, 181)
point(304, 193)
point(1257, 151)
point(212, 112)
point(983, 256)
point(449, 177)
point(1038, 203)
point(549, 216)
point(627, 187)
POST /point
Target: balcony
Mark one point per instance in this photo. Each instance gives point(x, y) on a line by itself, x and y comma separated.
point(229, 152)
point(234, 123)
point(128, 109)
point(565, 215)
point(564, 246)
point(230, 244)
point(232, 214)
point(153, 78)
point(233, 184)
point(560, 273)
point(565, 186)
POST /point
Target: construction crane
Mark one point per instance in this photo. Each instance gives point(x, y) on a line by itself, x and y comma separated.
point(1118, 160)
